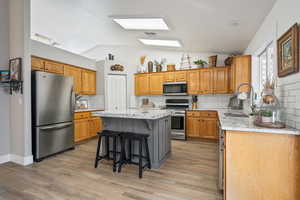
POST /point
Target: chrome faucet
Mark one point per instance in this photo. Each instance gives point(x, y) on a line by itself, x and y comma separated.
point(249, 95)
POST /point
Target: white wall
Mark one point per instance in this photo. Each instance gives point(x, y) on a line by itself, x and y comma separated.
point(284, 14)
point(4, 97)
point(53, 53)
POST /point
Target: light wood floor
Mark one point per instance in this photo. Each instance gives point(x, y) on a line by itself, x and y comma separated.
point(190, 174)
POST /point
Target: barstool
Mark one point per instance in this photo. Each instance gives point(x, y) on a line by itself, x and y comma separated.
point(107, 134)
point(140, 138)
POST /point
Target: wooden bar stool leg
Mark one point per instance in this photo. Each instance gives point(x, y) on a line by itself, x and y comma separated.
point(122, 155)
point(98, 150)
point(140, 158)
point(129, 151)
point(107, 147)
point(148, 153)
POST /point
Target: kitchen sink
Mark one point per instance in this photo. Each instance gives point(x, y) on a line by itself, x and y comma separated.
point(235, 115)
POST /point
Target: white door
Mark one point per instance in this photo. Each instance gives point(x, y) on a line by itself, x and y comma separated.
point(116, 92)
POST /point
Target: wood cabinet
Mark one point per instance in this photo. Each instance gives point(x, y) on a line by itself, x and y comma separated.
point(180, 76)
point(240, 73)
point(88, 82)
point(156, 83)
point(221, 80)
point(84, 80)
point(76, 74)
point(261, 166)
point(37, 64)
point(86, 126)
point(54, 67)
point(202, 124)
point(193, 82)
point(169, 77)
point(206, 81)
point(142, 86)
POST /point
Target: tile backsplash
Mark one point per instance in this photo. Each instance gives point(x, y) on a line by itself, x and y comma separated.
point(94, 101)
point(204, 101)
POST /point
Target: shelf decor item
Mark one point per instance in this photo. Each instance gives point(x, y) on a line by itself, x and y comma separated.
point(288, 52)
point(150, 66)
point(4, 75)
point(171, 67)
point(212, 60)
point(117, 67)
point(228, 61)
point(160, 64)
point(185, 62)
point(269, 113)
point(15, 71)
point(200, 63)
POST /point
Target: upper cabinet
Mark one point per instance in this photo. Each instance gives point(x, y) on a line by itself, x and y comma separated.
point(240, 73)
point(206, 81)
point(37, 64)
point(180, 76)
point(84, 79)
point(76, 74)
point(156, 83)
point(169, 77)
point(177, 76)
point(88, 82)
point(142, 86)
point(221, 80)
point(193, 81)
point(54, 67)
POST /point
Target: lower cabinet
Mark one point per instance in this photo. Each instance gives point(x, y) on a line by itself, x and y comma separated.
point(86, 126)
point(202, 124)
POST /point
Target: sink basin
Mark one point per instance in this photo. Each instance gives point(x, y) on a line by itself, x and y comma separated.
point(235, 115)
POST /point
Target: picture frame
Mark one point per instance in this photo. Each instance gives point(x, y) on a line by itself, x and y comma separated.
point(15, 69)
point(288, 52)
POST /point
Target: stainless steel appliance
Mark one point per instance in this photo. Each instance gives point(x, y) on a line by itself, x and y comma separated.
point(53, 104)
point(177, 107)
point(175, 89)
point(221, 158)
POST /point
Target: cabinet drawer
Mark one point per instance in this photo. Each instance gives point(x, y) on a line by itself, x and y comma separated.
point(193, 114)
point(82, 115)
point(208, 114)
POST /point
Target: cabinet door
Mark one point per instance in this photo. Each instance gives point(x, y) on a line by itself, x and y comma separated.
point(241, 72)
point(76, 74)
point(180, 76)
point(206, 81)
point(94, 126)
point(193, 79)
point(221, 82)
point(81, 129)
point(193, 127)
point(88, 82)
point(169, 77)
point(142, 84)
point(54, 67)
point(37, 64)
point(156, 83)
point(208, 128)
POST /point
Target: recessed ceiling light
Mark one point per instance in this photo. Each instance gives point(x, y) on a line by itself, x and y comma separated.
point(166, 43)
point(142, 23)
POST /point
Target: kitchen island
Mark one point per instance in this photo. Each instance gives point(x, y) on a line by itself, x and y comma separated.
point(156, 123)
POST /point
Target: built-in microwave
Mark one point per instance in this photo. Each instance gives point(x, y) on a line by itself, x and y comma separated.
point(175, 89)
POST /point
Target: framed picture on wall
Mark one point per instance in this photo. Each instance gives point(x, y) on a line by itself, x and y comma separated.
point(288, 52)
point(15, 69)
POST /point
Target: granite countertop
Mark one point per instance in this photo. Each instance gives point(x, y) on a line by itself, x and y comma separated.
point(245, 124)
point(87, 110)
point(134, 114)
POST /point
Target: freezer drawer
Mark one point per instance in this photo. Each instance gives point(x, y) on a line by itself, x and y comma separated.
point(53, 139)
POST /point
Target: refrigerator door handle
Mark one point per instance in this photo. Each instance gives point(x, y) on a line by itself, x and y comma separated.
point(52, 127)
point(72, 100)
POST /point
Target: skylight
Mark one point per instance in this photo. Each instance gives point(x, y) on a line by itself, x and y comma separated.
point(142, 23)
point(165, 43)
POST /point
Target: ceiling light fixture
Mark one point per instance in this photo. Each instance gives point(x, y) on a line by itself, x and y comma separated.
point(142, 23)
point(165, 43)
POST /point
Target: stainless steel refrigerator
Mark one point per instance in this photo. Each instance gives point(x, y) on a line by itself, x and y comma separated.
point(53, 103)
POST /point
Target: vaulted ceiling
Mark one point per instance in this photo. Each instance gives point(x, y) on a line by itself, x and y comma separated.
point(224, 26)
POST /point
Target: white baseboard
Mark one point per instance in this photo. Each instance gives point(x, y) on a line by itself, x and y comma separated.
point(16, 159)
point(4, 158)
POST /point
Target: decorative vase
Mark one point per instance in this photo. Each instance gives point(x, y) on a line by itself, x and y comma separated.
point(158, 68)
point(150, 66)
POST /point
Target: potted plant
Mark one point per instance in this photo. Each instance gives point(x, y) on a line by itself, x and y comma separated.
point(266, 116)
point(200, 63)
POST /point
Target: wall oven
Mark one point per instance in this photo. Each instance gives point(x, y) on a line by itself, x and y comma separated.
point(175, 89)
